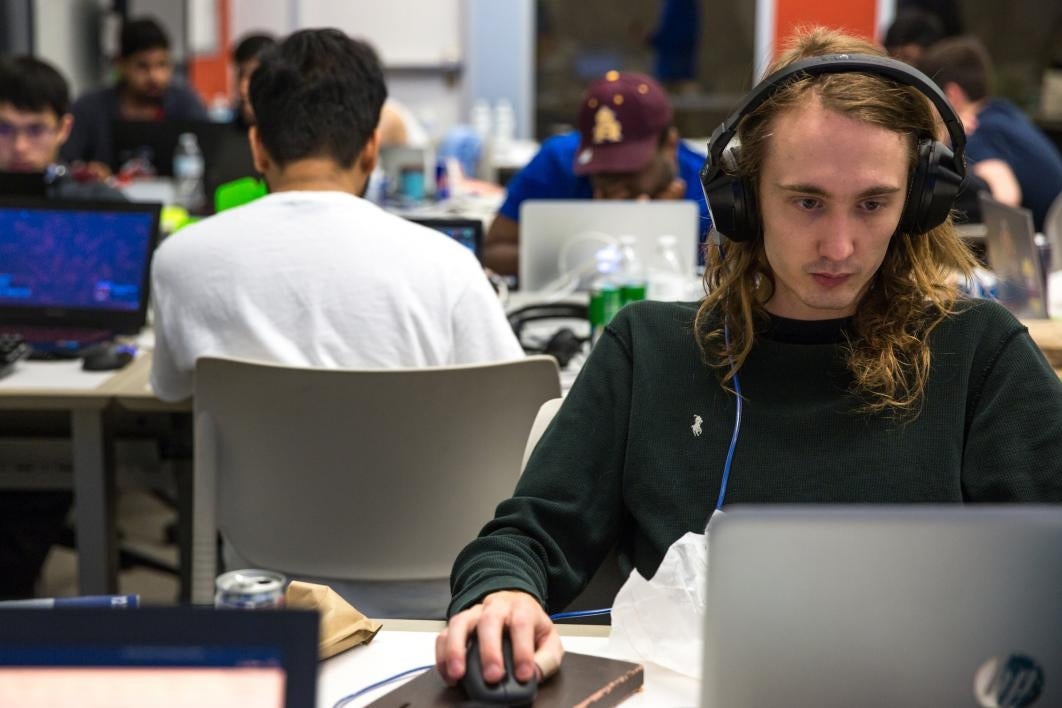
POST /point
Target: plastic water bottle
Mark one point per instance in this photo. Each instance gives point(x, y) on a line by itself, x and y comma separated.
point(668, 279)
point(504, 127)
point(481, 119)
point(188, 172)
point(606, 297)
point(633, 281)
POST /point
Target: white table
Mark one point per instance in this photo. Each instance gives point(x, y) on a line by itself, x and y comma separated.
point(406, 644)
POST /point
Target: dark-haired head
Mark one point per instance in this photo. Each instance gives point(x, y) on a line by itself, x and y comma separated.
point(140, 35)
point(912, 33)
point(34, 114)
point(143, 63)
point(317, 94)
point(246, 58)
point(29, 84)
point(251, 46)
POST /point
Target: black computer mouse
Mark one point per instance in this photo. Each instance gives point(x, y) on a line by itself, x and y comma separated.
point(107, 357)
point(508, 691)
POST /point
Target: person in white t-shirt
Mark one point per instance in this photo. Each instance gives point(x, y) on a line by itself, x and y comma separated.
point(313, 274)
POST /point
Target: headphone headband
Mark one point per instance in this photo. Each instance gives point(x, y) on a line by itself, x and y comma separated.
point(840, 64)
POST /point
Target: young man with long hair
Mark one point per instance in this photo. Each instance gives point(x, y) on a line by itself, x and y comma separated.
point(830, 317)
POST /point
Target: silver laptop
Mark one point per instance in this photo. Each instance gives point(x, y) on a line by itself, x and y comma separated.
point(884, 606)
point(563, 235)
point(1014, 257)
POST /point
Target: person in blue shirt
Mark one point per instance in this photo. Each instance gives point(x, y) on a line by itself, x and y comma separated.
point(1021, 164)
point(626, 148)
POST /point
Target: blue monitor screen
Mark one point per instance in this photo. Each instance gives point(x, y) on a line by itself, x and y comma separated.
point(73, 258)
point(464, 235)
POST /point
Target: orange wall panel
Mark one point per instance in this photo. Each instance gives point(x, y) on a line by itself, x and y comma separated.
point(209, 73)
point(854, 16)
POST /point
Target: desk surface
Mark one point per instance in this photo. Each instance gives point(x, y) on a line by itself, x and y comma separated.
point(406, 644)
point(130, 388)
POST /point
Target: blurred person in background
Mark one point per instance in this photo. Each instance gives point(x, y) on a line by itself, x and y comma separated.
point(145, 91)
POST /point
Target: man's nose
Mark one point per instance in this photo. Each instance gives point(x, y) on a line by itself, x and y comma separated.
point(837, 242)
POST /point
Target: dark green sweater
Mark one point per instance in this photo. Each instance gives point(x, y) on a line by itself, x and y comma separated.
point(621, 464)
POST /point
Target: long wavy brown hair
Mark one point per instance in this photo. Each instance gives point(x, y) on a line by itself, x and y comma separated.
point(911, 293)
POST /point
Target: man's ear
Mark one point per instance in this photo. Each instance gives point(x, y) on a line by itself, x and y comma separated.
point(670, 143)
point(66, 124)
point(262, 159)
point(955, 95)
point(370, 154)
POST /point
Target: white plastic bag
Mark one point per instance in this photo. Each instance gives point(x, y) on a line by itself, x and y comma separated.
point(662, 620)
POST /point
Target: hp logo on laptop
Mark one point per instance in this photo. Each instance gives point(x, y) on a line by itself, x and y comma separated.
point(1008, 681)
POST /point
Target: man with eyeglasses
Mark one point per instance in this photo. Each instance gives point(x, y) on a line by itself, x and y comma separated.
point(626, 148)
point(35, 121)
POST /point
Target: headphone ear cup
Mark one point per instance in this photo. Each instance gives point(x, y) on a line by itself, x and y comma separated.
point(934, 185)
point(731, 201)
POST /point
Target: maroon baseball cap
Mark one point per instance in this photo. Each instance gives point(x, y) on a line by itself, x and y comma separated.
point(620, 121)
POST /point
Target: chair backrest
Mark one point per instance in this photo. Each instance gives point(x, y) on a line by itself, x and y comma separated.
point(542, 421)
point(369, 475)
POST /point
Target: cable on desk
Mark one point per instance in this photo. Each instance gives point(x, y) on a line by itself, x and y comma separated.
point(361, 692)
point(580, 613)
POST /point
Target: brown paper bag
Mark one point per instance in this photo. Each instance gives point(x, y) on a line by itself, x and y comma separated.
point(342, 626)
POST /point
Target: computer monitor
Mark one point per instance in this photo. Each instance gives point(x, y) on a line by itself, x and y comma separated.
point(180, 657)
point(467, 232)
point(76, 264)
point(557, 235)
point(876, 606)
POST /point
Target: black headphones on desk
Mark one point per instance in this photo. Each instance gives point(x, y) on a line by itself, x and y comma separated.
point(563, 344)
point(933, 184)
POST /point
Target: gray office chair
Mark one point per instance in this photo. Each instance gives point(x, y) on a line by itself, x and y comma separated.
point(367, 475)
point(609, 578)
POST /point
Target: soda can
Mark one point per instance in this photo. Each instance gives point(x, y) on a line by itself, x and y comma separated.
point(250, 589)
point(442, 181)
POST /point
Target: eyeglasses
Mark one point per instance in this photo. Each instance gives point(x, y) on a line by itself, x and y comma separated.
point(34, 132)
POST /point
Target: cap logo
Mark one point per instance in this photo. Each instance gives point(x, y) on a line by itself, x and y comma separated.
point(606, 128)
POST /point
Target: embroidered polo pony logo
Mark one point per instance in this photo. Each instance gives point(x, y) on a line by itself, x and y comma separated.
point(696, 427)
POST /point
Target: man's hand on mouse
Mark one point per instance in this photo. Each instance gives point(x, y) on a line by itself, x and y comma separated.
point(536, 643)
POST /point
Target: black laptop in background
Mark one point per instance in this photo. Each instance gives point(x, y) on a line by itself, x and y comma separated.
point(226, 152)
point(185, 657)
point(25, 184)
point(73, 274)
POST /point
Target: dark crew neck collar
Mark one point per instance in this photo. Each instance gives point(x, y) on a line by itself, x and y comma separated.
point(790, 331)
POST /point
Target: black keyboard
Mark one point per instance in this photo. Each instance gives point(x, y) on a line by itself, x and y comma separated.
point(12, 349)
point(47, 343)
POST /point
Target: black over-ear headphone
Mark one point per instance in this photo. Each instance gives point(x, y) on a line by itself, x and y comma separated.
point(932, 186)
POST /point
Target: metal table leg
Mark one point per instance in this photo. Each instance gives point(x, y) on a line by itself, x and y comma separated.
point(94, 502)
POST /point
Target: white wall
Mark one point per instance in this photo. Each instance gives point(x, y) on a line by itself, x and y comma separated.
point(273, 16)
point(66, 34)
point(416, 38)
